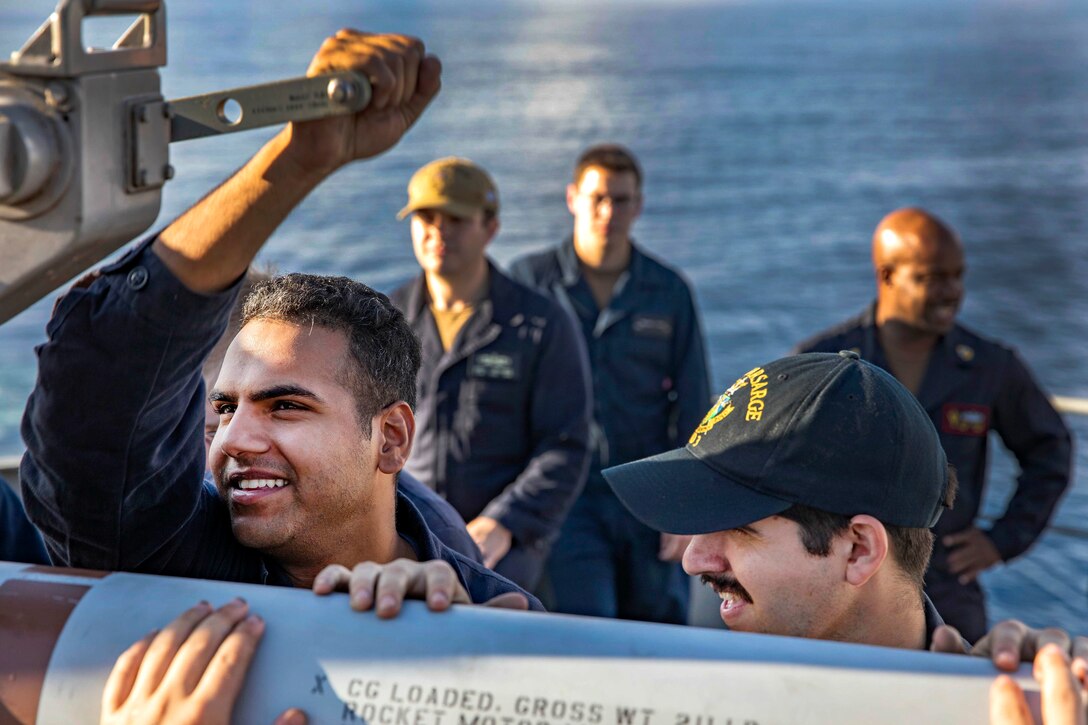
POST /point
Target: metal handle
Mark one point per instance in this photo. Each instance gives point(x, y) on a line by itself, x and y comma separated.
point(296, 99)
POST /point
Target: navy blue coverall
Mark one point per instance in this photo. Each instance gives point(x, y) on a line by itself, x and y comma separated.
point(114, 468)
point(502, 418)
point(971, 386)
point(650, 390)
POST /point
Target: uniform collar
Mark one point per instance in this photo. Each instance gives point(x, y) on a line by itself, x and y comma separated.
point(950, 364)
point(934, 620)
point(571, 268)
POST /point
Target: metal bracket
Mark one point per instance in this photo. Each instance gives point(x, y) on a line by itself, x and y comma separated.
point(148, 162)
point(295, 99)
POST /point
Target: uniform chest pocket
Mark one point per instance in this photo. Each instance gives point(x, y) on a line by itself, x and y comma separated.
point(490, 397)
point(648, 342)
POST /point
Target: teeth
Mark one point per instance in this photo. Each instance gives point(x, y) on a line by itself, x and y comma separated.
point(250, 484)
point(729, 597)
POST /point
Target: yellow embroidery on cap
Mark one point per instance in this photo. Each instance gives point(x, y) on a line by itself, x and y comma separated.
point(718, 413)
point(758, 377)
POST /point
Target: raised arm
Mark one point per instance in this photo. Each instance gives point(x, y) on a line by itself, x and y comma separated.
point(114, 464)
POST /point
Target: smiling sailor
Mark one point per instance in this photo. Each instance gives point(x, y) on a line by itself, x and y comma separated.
point(314, 397)
point(968, 385)
point(813, 518)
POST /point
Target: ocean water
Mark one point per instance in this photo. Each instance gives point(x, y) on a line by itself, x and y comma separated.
point(774, 136)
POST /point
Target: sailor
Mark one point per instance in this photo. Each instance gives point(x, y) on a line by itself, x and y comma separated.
point(502, 422)
point(650, 386)
point(968, 385)
point(813, 518)
point(314, 397)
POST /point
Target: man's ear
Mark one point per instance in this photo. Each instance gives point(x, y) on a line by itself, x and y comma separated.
point(884, 274)
point(572, 194)
point(868, 541)
point(492, 229)
point(395, 430)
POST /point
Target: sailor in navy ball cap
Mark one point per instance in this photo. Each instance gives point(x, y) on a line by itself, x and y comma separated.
point(809, 489)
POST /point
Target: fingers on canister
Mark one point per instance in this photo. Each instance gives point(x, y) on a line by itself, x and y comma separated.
point(442, 587)
point(1061, 701)
point(123, 676)
point(1008, 706)
point(397, 577)
point(333, 578)
point(947, 639)
point(1008, 643)
point(165, 645)
point(226, 671)
point(364, 579)
point(202, 644)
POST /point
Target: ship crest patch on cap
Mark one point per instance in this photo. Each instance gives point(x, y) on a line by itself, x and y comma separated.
point(724, 406)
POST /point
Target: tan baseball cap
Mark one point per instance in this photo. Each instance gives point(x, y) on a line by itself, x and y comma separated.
point(452, 185)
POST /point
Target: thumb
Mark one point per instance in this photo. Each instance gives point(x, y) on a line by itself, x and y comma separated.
point(509, 600)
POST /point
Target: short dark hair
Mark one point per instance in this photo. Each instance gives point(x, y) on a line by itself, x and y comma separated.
point(611, 157)
point(911, 547)
point(385, 353)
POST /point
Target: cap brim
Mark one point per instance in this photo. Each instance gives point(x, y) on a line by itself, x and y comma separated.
point(457, 209)
point(677, 493)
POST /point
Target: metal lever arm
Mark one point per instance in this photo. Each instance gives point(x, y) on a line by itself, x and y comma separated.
point(295, 99)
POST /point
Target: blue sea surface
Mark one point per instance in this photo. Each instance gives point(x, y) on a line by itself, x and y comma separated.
point(774, 136)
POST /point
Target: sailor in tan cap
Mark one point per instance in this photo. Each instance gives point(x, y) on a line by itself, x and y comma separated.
point(502, 420)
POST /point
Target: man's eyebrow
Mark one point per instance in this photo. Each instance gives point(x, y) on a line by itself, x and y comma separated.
point(276, 391)
point(286, 390)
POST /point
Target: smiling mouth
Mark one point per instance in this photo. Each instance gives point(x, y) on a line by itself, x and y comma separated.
point(252, 484)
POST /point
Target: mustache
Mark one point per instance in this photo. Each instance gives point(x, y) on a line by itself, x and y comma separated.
point(721, 583)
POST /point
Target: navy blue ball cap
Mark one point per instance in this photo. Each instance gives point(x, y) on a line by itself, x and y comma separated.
point(831, 432)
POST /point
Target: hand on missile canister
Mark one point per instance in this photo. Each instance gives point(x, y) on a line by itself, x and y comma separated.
point(1063, 693)
point(385, 586)
point(190, 672)
point(1011, 642)
point(403, 78)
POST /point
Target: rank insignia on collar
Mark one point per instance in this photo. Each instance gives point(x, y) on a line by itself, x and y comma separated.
point(965, 352)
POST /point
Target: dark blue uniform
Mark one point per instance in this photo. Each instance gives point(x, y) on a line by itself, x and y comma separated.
point(19, 540)
point(971, 386)
point(441, 518)
point(650, 390)
point(502, 418)
point(114, 431)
